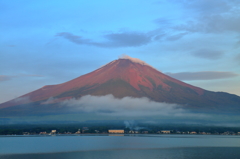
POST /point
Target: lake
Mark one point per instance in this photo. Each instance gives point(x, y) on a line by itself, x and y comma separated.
point(120, 146)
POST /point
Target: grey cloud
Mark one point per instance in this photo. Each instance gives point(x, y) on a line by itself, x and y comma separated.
point(205, 16)
point(162, 21)
point(7, 77)
point(124, 39)
point(11, 45)
point(208, 54)
point(158, 37)
point(238, 41)
point(128, 39)
point(28, 75)
point(74, 38)
point(4, 78)
point(204, 75)
point(237, 58)
point(176, 37)
point(211, 24)
point(127, 106)
point(208, 6)
point(211, 16)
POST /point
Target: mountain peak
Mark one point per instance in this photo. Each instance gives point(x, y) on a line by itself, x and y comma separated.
point(128, 77)
point(135, 60)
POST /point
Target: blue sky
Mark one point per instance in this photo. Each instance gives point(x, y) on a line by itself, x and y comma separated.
point(51, 42)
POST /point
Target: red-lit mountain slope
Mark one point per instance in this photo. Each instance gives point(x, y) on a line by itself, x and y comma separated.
point(126, 77)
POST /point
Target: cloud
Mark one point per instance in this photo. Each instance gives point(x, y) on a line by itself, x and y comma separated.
point(162, 21)
point(136, 60)
point(11, 45)
point(123, 39)
point(21, 100)
point(205, 75)
point(128, 39)
point(176, 36)
point(127, 106)
point(208, 54)
point(4, 78)
point(7, 77)
point(74, 38)
point(237, 58)
point(211, 16)
point(211, 24)
point(207, 7)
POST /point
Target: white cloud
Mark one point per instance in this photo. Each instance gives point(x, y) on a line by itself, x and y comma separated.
point(22, 100)
point(127, 106)
point(135, 60)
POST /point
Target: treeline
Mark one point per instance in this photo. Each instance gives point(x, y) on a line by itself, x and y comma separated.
point(60, 128)
point(104, 127)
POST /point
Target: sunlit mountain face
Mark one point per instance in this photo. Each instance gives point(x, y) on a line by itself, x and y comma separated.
point(125, 77)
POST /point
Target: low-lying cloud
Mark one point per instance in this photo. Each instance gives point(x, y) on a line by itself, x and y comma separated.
point(127, 106)
point(204, 75)
point(21, 100)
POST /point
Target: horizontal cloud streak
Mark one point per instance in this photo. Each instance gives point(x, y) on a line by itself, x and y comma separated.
point(208, 54)
point(124, 39)
point(74, 38)
point(4, 78)
point(204, 75)
point(7, 77)
point(128, 39)
point(127, 106)
point(176, 37)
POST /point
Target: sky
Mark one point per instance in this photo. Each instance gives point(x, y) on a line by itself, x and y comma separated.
point(51, 42)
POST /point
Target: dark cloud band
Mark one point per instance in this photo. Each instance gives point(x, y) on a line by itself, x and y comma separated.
point(6, 77)
point(205, 75)
point(208, 54)
point(124, 39)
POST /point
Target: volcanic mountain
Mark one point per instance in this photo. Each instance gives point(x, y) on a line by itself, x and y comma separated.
point(129, 77)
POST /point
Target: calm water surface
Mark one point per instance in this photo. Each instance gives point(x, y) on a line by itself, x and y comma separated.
point(122, 146)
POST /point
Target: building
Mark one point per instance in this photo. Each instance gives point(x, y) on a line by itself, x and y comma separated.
point(115, 131)
point(78, 132)
point(166, 131)
point(43, 133)
point(53, 131)
point(131, 132)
